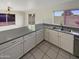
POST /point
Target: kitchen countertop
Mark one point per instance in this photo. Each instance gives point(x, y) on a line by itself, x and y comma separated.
point(63, 31)
point(72, 32)
point(14, 34)
point(9, 35)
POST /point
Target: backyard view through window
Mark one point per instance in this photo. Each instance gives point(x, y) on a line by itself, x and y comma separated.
point(7, 19)
point(69, 17)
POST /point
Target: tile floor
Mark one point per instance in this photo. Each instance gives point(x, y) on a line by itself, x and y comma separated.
point(46, 50)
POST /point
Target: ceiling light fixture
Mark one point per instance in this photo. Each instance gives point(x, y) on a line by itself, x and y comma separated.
point(9, 7)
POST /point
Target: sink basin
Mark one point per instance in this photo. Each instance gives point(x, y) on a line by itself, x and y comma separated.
point(68, 31)
point(58, 29)
point(62, 30)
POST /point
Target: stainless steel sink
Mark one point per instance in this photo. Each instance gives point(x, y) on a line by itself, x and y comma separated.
point(72, 32)
point(58, 29)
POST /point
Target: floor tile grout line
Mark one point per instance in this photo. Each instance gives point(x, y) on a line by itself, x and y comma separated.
point(57, 54)
point(53, 49)
point(65, 52)
point(46, 54)
point(43, 52)
point(47, 51)
point(32, 55)
point(61, 55)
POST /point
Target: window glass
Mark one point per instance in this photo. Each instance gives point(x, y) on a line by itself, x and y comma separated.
point(7, 19)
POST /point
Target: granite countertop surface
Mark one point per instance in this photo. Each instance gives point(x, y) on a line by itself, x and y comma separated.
point(72, 32)
point(67, 32)
point(9, 35)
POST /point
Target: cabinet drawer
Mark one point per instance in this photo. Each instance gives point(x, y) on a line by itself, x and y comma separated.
point(6, 45)
point(68, 36)
point(29, 35)
point(12, 52)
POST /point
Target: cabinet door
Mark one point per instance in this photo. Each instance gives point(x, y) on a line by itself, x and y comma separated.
point(29, 42)
point(39, 36)
point(53, 37)
point(1, 55)
point(67, 42)
point(46, 34)
point(13, 52)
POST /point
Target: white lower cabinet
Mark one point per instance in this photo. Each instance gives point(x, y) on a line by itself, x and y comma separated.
point(67, 42)
point(54, 37)
point(46, 34)
point(14, 51)
point(39, 36)
point(62, 40)
point(29, 42)
point(16, 48)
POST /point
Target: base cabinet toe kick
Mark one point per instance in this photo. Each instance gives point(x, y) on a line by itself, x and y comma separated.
point(15, 49)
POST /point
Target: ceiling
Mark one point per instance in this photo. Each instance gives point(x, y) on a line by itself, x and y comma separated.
point(31, 4)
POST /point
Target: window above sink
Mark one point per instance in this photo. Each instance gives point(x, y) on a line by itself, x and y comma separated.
point(68, 18)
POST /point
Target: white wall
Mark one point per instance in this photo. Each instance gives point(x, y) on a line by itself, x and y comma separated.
point(19, 21)
point(65, 6)
point(18, 8)
point(44, 13)
point(44, 9)
point(18, 5)
point(20, 18)
point(41, 16)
